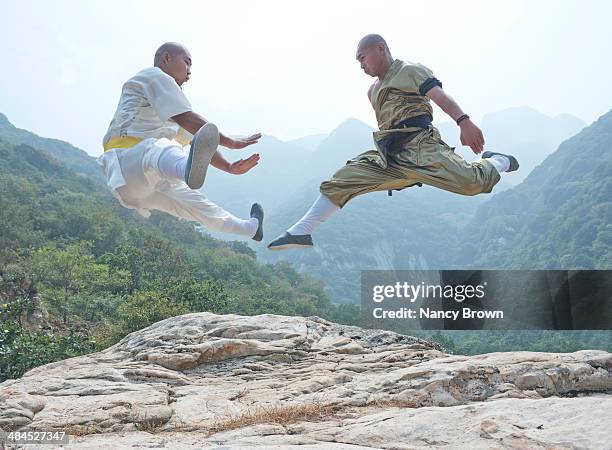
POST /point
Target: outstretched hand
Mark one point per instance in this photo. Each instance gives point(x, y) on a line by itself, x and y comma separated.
point(244, 165)
point(471, 136)
point(237, 144)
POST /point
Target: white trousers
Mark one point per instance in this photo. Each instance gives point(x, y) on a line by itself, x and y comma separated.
point(134, 178)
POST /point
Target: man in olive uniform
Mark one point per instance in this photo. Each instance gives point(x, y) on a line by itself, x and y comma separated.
point(409, 149)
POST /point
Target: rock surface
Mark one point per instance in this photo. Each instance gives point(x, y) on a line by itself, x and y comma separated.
point(209, 381)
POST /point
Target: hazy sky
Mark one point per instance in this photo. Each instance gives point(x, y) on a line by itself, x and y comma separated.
point(288, 68)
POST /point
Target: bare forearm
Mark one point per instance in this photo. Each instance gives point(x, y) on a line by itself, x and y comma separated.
point(192, 122)
point(445, 102)
point(471, 135)
point(450, 107)
point(220, 162)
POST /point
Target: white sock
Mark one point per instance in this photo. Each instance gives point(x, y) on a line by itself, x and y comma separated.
point(319, 212)
point(244, 227)
point(501, 163)
point(172, 163)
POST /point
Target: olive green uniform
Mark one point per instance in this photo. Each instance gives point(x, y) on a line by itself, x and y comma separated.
point(409, 149)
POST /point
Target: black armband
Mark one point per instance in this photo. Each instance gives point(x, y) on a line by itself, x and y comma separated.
point(428, 84)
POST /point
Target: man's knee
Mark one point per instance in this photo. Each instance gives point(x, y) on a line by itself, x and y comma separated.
point(328, 188)
point(477, 181)
point(477, 188)
point(473, 189)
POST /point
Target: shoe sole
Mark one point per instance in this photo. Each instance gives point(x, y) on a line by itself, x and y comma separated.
point(259, 233)
point(204, 146)
point(289, 246)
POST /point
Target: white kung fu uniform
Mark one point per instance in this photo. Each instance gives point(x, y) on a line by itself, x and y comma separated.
point(139, 133)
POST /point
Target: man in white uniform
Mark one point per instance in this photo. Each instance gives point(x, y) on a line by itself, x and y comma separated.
point(144, 161)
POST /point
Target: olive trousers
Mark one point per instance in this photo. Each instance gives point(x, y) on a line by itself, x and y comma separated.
point(424, 158)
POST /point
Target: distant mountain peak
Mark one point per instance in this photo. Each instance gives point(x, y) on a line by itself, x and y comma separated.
point(352, 122)
point(4, 120)
point(309, 142)
point(528, 113)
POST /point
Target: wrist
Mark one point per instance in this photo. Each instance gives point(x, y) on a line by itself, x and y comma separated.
point(462, 119)
point(226, 141)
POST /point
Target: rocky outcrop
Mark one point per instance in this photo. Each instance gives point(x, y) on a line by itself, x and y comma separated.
point(241, 382)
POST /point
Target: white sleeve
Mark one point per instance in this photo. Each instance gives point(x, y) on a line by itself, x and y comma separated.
point(165, 95)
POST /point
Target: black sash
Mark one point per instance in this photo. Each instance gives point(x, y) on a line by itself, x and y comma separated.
point(422, 121)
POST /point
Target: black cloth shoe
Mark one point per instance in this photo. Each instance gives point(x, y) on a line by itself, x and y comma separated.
point(287, 240)
point(514, 165)
point(203, 146)
point(258, 212)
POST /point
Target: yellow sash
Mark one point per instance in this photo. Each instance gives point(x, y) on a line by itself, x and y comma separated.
point(130, 141)
point(121, 142)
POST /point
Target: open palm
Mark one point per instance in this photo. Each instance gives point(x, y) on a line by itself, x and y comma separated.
point(244, 165)
point(245, 142)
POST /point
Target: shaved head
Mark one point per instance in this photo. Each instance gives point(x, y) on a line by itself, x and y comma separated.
point(372, 39)
point(373, 55)
point(174, 59)
point(172, 48)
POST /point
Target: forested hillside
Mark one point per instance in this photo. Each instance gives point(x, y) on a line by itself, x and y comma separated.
point(560, 217)
point(78, 271)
